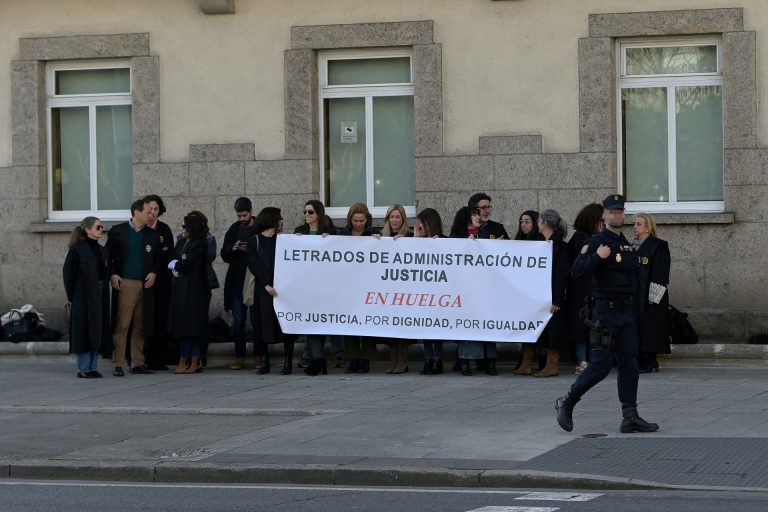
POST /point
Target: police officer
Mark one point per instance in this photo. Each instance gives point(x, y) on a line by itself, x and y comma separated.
point(613, 264)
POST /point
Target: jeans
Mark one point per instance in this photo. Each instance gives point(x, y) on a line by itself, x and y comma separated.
point(621, 324)
point(313, 347)
point(433, 349)
point(581, 351)
point(477, 350)
point(87, 361)
point(239, 311)
point(190, 347)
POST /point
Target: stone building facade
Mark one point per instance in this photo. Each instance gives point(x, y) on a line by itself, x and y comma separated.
point(520, 99)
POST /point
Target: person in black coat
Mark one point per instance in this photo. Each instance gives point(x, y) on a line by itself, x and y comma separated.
point(133, 249)
point(651, 311)
point(489, 229)
point(316, 222)
point(261, 263)
point(157, 349)
point(588, 223)
point(190, 296)
point(554, 338)
point(86, 281)
point(359, 350)
point(233, 252)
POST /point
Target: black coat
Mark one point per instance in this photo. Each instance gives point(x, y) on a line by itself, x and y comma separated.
point(190, 296)
point(579, 289)
point(89, 325)
point(304, 229)
point(163, 282)
point(261, 263)
point(655, 263)
point(493, 231)
point(117, 247)
point(237, 260)
point(555, 334)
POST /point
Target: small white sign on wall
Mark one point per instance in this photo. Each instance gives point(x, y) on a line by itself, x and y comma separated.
point(349, 132)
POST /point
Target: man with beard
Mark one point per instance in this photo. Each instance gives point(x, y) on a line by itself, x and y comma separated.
point(234, 252)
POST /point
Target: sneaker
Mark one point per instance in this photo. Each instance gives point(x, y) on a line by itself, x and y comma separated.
point(118, 371)
point(581, 367)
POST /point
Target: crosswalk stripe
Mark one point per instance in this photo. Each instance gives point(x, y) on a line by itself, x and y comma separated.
point(515, 509)
point(559, 496)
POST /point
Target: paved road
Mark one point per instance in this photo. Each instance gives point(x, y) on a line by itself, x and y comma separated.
point(225, 426)
point(97, 497)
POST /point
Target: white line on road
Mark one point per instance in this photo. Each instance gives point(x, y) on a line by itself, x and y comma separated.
point(515, 509)
point(559, 496)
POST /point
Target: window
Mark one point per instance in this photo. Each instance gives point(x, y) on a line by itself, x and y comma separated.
point(90, 141)
point(366, 130)
point(671, 119)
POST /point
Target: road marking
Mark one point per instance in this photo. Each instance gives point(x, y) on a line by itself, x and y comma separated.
point(559, 496)
point(515, 509)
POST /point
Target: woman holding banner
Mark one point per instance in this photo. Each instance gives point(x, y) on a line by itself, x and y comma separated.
point(359, 350)
point(396, 225)
point(430, 225)
point(261, 263)
point(316, 222)
point(466, 224)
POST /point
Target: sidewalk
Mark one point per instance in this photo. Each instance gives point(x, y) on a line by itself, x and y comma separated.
point(378, 429)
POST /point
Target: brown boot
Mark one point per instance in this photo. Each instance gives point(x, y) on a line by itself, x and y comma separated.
point(182, 367)
point(553, 358)
point(258, 362)
point(237, 364)
point(529, 354)
point(394, 356)
point(402, 357)
point(194, 366)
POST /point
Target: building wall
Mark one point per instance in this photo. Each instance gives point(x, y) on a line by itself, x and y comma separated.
point(225, 88)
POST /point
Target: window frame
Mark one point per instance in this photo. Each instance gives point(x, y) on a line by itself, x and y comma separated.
point(91, 101)
point(367, 92)
point(669, 82)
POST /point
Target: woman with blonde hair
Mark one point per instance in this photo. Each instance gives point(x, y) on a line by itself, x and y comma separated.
point(651, 300)
point(395, 222)
point(396, 225)
point(359, 350)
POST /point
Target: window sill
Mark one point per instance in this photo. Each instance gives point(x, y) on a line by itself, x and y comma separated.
point(688, 218)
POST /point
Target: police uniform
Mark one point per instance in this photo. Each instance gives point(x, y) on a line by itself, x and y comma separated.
point(612, 332)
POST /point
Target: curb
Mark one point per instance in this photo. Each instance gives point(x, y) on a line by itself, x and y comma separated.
point(711, 351)
point(178, 472)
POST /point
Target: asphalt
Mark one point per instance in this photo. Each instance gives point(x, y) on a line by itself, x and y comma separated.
point(376, 429)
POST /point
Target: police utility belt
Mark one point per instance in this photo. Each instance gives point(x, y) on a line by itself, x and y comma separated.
point(600, 336)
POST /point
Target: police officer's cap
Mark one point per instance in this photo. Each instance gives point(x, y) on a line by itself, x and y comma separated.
point(613, 202)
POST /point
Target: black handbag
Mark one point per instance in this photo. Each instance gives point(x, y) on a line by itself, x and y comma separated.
point(681, 332)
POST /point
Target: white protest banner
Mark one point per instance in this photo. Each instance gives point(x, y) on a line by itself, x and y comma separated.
point(415, 288)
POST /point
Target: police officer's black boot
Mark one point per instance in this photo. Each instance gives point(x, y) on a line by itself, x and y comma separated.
point(632, 422)
point(564, 407)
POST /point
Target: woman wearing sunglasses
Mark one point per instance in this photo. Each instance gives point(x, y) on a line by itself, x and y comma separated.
point(86, 281)
point(190, 295)
point(316, 222)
